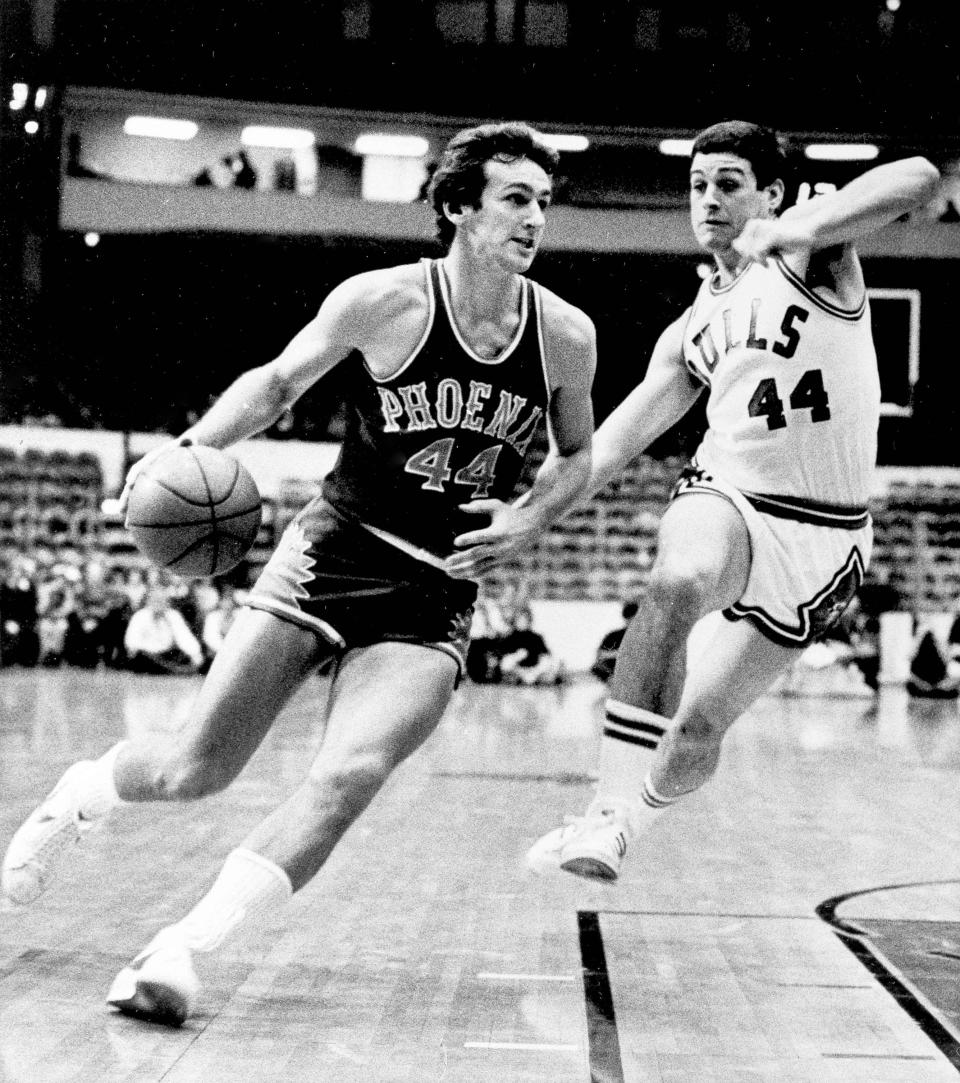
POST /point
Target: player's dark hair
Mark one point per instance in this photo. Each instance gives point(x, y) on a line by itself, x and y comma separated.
point(460, 176)
point(760, 146)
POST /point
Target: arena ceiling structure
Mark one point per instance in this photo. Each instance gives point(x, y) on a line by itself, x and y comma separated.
point(628, 79)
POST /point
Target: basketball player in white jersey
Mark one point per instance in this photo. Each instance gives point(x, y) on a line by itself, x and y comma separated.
point(451, 366)
point(769, 525)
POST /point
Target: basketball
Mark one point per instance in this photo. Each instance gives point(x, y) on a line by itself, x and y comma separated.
point(195, 511)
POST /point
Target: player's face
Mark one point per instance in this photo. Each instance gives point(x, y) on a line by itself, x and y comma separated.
point(723, 195)
point(507, 227)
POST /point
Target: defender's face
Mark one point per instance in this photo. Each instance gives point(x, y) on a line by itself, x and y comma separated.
point(508, 225)
point(723, 195)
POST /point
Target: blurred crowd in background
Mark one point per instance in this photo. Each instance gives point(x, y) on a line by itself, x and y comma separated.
point(72, 607)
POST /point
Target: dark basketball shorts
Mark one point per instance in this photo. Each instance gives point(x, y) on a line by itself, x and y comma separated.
point(331, 575)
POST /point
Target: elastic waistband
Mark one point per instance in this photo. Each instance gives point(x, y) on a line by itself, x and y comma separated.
point(839, 516)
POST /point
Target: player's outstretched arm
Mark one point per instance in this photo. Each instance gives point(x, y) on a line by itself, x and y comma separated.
point(570, 345)
point(661, 399)
point(868, 203)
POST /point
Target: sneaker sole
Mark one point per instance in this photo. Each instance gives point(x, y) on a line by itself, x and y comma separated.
point(154, 1002)
point(590, 868)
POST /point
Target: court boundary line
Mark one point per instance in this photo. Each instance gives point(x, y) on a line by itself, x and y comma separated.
point(603, 1039)
point(599, 996)
point(859, 943)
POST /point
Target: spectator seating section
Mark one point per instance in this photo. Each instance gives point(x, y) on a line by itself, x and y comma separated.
point(601, 551)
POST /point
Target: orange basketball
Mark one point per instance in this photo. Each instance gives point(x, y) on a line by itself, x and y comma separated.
point(194, 511)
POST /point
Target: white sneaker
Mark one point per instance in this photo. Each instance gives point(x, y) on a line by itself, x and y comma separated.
point(32, 856)
point(592, 846)
point(159, 985)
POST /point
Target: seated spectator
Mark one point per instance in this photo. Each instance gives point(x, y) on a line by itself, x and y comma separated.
point(527, 659)
point(217, 623)
point(855, 641)
point(487, 635)
point(602, 667)
point(97, 625)
point(136, 588)
point(206, 597)
point(114, 626)
point(183, 599)
point(514, 600)
point(929, 667)
point(158, 639)
point(19, 637)
point(953, 648)
point(55, 608)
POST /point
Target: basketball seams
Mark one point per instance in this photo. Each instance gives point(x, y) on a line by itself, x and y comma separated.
point(181, 496)
point(214, 533)
point(233, 483)
point(196, 522)
point(197, 542)
point(214, 481)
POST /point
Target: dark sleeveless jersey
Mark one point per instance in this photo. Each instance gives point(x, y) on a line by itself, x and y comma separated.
point(447, 428)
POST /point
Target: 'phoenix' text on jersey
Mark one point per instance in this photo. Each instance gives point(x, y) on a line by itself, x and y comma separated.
point(452, 409)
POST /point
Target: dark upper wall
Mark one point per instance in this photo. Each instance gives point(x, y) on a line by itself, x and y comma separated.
point(148, 328)
point(817, 66)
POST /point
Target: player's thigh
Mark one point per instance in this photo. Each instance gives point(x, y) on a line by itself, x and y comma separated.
point(386, 699)
point(704, 542)
point(259, 666)
point(730, 669)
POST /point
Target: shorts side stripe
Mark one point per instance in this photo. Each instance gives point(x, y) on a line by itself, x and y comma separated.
point(804, 634)
point(449, 648)
point(295, 616)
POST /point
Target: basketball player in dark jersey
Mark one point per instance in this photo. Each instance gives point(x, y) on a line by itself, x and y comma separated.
point(453, 364)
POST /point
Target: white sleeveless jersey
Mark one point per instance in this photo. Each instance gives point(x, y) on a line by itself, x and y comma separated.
point(794, 392)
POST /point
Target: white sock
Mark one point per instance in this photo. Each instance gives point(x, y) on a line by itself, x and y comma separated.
point(101, 797)
point(628, 748)
point(248, 888)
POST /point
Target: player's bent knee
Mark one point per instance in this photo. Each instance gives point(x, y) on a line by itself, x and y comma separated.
point(350, 782)
point(190, 779)
point(684, 594)
point(701, 727)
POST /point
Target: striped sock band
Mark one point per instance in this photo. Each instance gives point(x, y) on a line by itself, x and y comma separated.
point(633, 725)
point(652, 798)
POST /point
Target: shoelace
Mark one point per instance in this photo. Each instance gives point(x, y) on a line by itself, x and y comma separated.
point(55, 843)
point(602, 816)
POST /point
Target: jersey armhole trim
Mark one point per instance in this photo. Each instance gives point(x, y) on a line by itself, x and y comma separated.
point(848, 314)
point(538, 316)
point(431, 314)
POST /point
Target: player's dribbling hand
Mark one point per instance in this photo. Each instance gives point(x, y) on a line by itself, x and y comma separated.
point(118, 505)
point(511, 529)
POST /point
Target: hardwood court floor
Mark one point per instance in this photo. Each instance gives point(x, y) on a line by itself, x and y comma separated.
point(424, 952)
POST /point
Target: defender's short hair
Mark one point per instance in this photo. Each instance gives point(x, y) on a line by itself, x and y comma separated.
point(460, 177)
